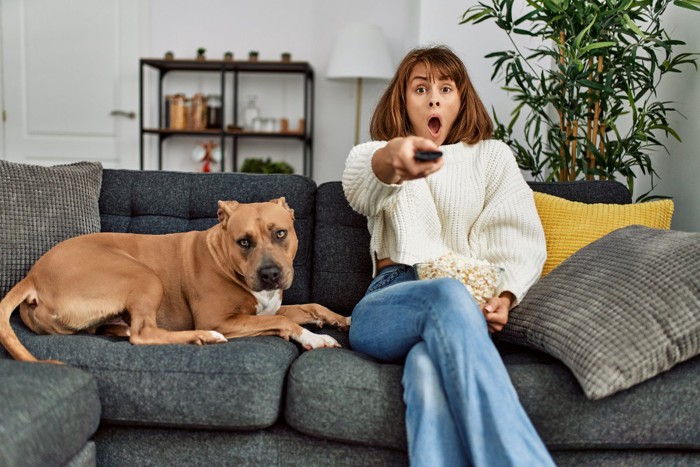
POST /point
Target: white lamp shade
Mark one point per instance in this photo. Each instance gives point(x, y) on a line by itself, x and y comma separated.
point(360, 51)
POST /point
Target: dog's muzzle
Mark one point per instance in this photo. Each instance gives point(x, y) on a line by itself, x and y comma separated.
point(270, 277)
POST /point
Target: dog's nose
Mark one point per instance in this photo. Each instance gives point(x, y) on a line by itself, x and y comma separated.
point(269, 276)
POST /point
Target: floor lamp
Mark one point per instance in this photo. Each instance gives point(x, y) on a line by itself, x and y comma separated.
point(360, 52)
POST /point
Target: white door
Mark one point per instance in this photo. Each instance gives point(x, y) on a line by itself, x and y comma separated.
point(70, 81)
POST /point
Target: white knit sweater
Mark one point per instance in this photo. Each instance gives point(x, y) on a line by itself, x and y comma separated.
point(478, 205)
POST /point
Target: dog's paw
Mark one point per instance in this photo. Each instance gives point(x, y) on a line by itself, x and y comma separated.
point(344, 325)
point(338, 321)
point(217, 337)
point(309, 340)
point(210, 337)
point(341, 322)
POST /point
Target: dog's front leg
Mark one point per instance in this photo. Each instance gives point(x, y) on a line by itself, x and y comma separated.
point(313, 313)
point(273, 325)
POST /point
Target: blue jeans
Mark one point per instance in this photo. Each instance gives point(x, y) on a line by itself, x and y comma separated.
point(461, 407)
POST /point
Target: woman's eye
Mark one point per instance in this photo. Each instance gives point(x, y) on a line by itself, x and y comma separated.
point(446, 89)
point(281, 234)
point(421, 90)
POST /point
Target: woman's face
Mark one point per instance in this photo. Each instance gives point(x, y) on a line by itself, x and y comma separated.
point(432, 105)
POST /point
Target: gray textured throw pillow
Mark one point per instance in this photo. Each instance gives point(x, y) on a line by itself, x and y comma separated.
point(40, 207)
point(619, 311)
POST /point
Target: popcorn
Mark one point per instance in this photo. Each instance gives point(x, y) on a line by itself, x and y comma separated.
point(480, 277)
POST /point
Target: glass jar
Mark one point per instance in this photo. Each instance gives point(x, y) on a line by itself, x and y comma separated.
point(198, 112)
point(251, 112)
point(214, 114)
point(177, 112)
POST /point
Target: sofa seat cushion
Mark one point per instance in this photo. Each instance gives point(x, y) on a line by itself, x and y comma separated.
point(342, 395)
point(237, 385)
point(338, 394)
point(659, 413)
point(277, 446)
point(48, 413)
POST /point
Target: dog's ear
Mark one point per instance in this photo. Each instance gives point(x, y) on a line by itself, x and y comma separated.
point(283, 202)
point(225, 210)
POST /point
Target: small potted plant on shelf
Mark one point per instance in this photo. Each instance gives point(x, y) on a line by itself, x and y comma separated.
point(201, 53)
point(253, 55)
point(286, 57)
point(169, 55)
point(228, 56)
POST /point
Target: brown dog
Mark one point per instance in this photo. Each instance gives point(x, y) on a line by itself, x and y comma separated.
point(184, 288)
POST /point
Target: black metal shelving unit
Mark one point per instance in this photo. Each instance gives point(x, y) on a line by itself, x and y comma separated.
point(227, 70)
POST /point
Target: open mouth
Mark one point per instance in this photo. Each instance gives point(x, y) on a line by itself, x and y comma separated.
point(434, 125)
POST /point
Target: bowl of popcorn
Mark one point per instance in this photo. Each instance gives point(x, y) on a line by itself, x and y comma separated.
point(481, 278)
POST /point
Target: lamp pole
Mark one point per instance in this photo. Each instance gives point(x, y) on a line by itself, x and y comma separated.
point(358, 110)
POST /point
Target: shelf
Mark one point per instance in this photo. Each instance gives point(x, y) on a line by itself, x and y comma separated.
point(227, 65)
point(216, 132)
point(226, 69)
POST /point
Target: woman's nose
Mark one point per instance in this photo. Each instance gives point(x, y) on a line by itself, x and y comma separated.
point(435, 103)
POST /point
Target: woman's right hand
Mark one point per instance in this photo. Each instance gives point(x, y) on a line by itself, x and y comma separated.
point(396, 162)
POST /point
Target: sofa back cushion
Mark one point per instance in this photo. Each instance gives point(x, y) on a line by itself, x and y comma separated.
point(586, 191)
point(342, 265)
point(160, 202)
point(39, 208)
point(342, 262)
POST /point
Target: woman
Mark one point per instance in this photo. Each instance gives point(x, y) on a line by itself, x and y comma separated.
point(461, 407)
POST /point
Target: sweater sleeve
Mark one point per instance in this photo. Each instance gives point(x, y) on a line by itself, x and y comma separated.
point(508, 231)
point(364, 191)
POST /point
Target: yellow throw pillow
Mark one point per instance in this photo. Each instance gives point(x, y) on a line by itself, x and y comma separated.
point(570, 225)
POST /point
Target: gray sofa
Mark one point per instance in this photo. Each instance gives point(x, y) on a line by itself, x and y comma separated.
point(265, 401)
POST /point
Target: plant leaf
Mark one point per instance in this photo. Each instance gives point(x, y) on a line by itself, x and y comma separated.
point(630, 24)
point(691, 5)
point(597, 45)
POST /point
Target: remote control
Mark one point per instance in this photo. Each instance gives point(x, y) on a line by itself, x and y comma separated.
point(428, 155)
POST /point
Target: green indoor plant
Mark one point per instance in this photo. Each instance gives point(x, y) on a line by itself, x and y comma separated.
point(587, 91)
point(267, 166)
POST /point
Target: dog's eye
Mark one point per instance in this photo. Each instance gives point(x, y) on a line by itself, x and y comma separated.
point(244, 242)
point(281, 234)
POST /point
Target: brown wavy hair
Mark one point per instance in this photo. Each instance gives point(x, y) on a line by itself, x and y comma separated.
point(390, 118)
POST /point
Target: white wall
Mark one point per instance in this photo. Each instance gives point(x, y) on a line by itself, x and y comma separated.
point(680, 171)
point(307, 29)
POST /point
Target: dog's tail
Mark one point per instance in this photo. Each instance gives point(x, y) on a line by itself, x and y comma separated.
point(19, 293)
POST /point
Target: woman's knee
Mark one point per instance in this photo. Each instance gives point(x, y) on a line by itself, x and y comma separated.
point(420, 377)
point(446, 291)
point(452, 299)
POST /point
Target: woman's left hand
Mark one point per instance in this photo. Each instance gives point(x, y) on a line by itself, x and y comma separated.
point(496, 311)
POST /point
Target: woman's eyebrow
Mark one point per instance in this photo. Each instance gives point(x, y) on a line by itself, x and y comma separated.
point(419, 78)
point(425, 78)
